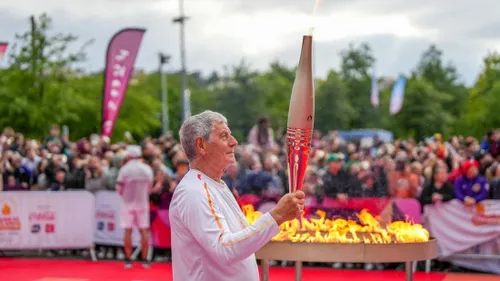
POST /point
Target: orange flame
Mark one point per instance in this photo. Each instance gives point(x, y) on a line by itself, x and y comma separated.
point(323, 230)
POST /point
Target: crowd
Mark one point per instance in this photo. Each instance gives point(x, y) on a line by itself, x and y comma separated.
point(431, 170)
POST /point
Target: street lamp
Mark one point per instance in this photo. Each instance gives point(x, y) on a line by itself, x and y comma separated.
point(186, 103)
point(163, 60)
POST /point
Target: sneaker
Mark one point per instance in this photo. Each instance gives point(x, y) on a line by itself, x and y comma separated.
point(146, 265)
point(128, 265)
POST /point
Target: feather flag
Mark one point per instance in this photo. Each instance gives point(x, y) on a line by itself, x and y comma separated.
point(397, 95)
point(120, 59)
point(3, 49)
point(374, 92)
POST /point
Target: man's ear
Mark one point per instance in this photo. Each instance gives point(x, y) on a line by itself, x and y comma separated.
point(200, 145)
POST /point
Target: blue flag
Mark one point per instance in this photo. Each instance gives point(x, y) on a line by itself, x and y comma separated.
point(397, 95)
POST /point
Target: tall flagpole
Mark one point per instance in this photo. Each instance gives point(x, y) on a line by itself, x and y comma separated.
point(186, 103)
point(163, 60)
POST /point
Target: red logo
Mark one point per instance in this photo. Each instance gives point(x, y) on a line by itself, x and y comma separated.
point(50, 228)
point(111, 226)
point(199, 176)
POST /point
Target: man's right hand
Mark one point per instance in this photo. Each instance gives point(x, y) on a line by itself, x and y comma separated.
point(289, 207)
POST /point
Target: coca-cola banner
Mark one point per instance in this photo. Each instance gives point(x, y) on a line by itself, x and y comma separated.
point(120, 59)
point(3, 49)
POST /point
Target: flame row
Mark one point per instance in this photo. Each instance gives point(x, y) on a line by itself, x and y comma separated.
point(323, 230)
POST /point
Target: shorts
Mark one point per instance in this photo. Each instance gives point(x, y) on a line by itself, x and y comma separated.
point(138, 217)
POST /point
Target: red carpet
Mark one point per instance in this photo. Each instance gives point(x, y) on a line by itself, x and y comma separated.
point(64, 270)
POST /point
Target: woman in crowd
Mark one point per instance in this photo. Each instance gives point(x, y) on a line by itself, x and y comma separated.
point(495, 182)
point(261, 136)
point(471, 188)
point(438, 189)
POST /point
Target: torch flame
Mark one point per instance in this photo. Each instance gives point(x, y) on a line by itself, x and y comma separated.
point(323, 230)
point(315, 8)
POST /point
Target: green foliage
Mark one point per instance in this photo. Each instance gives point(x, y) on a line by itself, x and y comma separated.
point(421, 118)
point(43, 85)
point(354, 70)
point(333, 109)
point(484, 98)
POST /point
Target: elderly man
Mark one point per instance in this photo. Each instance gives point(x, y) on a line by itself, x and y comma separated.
point(134, 184)
point(211, 239)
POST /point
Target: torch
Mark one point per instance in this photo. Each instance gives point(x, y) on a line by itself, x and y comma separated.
point(300, 117)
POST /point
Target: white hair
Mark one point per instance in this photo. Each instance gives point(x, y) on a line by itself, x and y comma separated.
point(199, 125)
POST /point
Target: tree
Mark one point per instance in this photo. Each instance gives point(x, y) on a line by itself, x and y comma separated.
point(139, 113)
point(35, 91)
point(355, 72)
point(423, 113)
point(240, 100)
point(444, 78)
point(333, 109)
point(275, 88)
point(42, 86)
point(483, 99)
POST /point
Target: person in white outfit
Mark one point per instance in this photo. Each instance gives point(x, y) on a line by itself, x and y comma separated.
point(134, 184)
point(211, 239)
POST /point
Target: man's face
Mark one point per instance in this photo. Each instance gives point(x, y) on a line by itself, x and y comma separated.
point(268, 165)
point(54, 132)
point(472, 172)
point(149, 149)
point(60, 176)
point(220, 148)
point(335, 166)
point(31, 154)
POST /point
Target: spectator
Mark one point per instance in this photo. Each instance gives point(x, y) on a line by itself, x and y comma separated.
point(490, 143)
point(95, 177)
point(494, 192)
point(438, 189)
point(29, 165)
point(368, 187)
point(234, 180)
point(41, 180)
point(261, 136)
point(60, 182)
point(471, 188)
point(336, 181)
point(401, 184)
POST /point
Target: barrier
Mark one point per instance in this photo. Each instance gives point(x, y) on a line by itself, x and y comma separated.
point(109, 232)
point(77, 219)
point(468, 236)
point(107, 221)
point(46, 220)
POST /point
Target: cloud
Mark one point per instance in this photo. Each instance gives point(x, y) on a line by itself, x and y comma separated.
point(222, 32)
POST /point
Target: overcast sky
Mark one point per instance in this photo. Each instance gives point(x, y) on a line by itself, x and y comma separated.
point(222, 32)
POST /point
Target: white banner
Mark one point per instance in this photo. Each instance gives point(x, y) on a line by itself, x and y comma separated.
point(46, 220)
point(461, 229)
point(107, 215)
